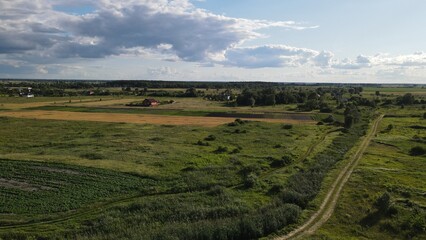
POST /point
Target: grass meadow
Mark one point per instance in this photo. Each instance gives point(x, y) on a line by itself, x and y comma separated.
point(124, 170)
point(386, 169)
point(244, 179)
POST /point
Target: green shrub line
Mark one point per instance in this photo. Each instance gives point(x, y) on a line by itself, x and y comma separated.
point(304, 186)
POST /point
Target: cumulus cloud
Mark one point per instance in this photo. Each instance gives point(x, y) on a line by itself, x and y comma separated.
point(268, 56)
point(323, 59)
point(360, 62)
point(417, 59)
point(36, 28)
point(37, 35)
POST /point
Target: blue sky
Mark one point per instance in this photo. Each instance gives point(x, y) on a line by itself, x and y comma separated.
point(240, 40)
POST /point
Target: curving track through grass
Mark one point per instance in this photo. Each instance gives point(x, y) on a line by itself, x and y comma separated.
point(329, 203)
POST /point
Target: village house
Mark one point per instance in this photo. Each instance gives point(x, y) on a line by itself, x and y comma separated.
point(150, 102)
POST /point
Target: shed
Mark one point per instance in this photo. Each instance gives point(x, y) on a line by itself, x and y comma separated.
point(150, 102)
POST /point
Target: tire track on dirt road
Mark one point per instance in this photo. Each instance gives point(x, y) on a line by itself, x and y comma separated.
point(329, 203)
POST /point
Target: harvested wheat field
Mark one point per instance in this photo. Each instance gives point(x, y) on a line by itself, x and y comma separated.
point(136, 118)
point(93, 102)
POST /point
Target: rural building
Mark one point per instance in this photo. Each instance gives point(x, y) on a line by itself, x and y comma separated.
point(150, 102)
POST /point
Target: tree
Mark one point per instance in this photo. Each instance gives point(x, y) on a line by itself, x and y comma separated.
point(377, 93)
point(383, 202)
point(191, 92)
point(270, 100)
point(349, 120)
point(352, 114)
point(407, 99)
point(252, 101)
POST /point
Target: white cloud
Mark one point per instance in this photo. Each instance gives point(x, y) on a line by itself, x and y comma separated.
point(268, 56)
point(360, 62)
point(323, 59)
point(36, 37)
point(32, 29)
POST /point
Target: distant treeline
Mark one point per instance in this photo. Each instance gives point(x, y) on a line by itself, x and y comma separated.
point(84, 84)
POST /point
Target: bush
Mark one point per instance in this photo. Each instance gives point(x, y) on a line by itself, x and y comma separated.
point(292, 197)
point(329, 119)
point(383, 202)
point(237, 122)
point(284, 161)
point(250, 180)
point(221, 149)
point(210, 138)
point(417, 151)
point(287, 126)
point(236, 150)
point(201, 143)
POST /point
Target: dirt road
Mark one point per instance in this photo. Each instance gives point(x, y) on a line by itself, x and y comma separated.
point(329, 203)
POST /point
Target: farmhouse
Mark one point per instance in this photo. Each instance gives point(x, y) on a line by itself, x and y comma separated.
point(150, 102)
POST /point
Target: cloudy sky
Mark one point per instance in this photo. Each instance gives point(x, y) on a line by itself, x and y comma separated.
point(357, 41)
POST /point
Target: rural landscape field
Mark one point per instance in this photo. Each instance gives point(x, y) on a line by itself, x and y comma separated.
point(211, 161)
point(212, 120)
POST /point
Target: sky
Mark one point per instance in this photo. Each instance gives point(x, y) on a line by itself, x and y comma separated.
point(343, 41)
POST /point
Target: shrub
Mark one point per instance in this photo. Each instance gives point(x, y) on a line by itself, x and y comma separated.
point(201, 143)
point(236, 150)
point(417, 151)
point(383, 202)
point(284, 161)
point(292, 197)
point(210, 138)
point(221, 149)
point(250, 180)
point(232, 124)
point(287, 126)
point(237, 122)
point(329, 119)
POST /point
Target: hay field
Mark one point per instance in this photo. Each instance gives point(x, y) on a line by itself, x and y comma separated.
point(136, 118)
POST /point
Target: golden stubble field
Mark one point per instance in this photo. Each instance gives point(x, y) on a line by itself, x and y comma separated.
point(136, 118)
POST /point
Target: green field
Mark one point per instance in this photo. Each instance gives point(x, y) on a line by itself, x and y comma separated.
point(29, 187)
point(246, 179)
point(192, 161)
